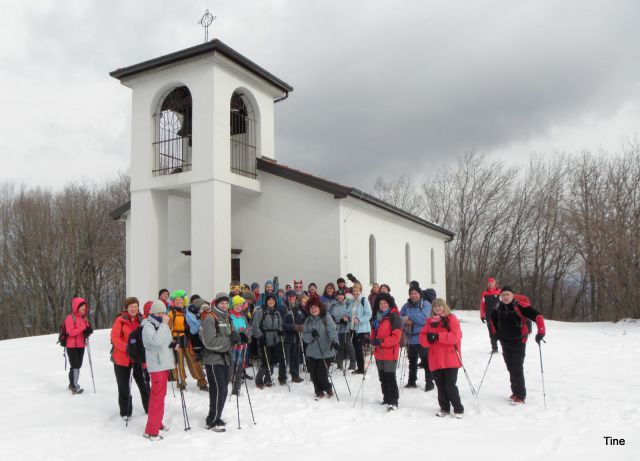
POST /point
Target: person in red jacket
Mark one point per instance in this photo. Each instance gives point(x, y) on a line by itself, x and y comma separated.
point(124, 324)
point(78, 331)
point(387, 329)
point(510, 322)
point(488, 301)
point(442, 335)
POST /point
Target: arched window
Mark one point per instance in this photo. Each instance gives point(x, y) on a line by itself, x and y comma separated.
point(173, 124)
point(407, 261)
point(433, 266)
point(373, 273)
point(244, 144)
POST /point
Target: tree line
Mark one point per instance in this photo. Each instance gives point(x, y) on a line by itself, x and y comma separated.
point(564, 231)
point(54, 245)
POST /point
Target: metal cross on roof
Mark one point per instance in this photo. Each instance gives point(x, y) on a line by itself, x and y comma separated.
point(205, 21)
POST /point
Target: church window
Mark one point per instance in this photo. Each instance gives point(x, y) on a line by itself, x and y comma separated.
point(173, 124)
point(433, 266)
point(407, 261)
point(373, 276)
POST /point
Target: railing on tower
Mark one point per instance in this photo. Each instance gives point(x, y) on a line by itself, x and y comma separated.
point(173, 123)
point(243, 137)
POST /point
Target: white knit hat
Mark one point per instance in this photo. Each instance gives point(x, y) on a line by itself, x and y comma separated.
point(157, 307)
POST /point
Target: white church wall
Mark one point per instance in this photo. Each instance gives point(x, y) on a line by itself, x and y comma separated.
point(358, 220)
point(289, 230)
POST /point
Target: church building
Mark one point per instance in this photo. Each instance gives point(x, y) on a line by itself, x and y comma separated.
point(211, 204)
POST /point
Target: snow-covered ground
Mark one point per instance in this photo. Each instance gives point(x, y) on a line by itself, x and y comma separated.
point(592, 386)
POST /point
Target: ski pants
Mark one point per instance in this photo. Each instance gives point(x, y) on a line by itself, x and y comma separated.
point(123, 375)
point(448, 394)
point(415, 352)
point(292, 350)
point(388, 383)
point(218, 376)
point(319, 374)
point(358, 344)
point(159, 381)
point(269, 355)
point(346, 350)
point(492, 337)
point(513, 353)
point(75, 354)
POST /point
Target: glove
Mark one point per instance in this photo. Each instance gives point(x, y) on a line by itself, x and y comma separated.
point(343, 321)
point(275, 280)
point(244, 339)
point(193, 309)
point(234, 337)
point(432, 338)
point(539, 337)
point(351, 277)
point(314, 333)
point(376, 342)
point(173, 344)
point(335, 346)
point(88, 331)
point(483, 320)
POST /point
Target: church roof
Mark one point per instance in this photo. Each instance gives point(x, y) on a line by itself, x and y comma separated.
point(338, 191)
point(213, 46)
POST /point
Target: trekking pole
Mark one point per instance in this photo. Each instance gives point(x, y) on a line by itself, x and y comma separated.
point(403, 367)
point(91, 367)
point(544, 393)
point(235, 387)
point(173, 389)
point(64, 354)
point(364, 375)
point(130, 401)
point(185, 416)
point(473, 391)
point(344, 359)
point(327, 368)
point(284, 356)
point(266, 358)
point(246, 386)
point(304, 359)
point(484, 374)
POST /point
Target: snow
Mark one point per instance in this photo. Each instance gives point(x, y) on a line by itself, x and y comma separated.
point(592, 387)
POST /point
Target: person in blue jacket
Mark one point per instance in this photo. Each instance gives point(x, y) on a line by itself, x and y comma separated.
point(414, 314)
point(270, 288)
point(360, 316)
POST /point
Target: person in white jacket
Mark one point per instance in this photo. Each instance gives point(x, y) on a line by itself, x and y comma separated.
point(160, 359)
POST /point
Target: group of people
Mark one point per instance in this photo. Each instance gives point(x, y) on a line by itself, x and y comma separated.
point(292, 328)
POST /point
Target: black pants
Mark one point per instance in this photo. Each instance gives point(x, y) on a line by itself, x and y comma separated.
point(75, 354)
point(273, 357)
point(346, 350)
point(513, 353)
point(448, 394)
point(493, 338)
point(388, 383)
point(293, 357)
point(415, 351)
point(318, 371)
point(125, 402)
point(218, 377)
point(358, 345)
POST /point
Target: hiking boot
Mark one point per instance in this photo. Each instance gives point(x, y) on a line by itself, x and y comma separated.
point(164, 428)
point(458, 415)
point(357, 372)
point(204, 388)
point(429, 386)
point(517, 401)
point(282, 382)
point(152, 438)
point(260, 386)
point(297, 379)
point(329, 394)
point(392, 407)
point(246, 376)
point(75, 389)
point(442, 413)
point(410, 386)
point(319, 396)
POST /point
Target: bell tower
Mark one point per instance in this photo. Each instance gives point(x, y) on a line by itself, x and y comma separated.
point(201, 117)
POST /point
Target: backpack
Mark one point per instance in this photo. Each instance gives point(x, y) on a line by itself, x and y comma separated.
point(62, 335)
point(135, 345)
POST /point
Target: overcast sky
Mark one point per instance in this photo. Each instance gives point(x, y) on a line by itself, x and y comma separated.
point(380, 87)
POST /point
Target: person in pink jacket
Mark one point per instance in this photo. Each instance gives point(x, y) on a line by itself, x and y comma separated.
point(78, 330)
point(442, 335)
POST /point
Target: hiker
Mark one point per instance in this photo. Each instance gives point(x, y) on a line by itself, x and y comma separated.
point(78, 329)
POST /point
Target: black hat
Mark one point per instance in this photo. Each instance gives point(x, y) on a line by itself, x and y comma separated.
point(386, 297)
point(341, 280)
point(291, 293)
point(508, 288)
point(266, 298)
point(415, 288)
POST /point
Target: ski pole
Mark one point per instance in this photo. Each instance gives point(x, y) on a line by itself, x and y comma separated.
point(91, 366)
point(402, 368)
point(180, 381)
point(344, 360)
point(473, 391)
point(364, 375)
point(130, 401)
point(544, 393)
point(246, 386)
point(327, 368)
point(304, 359)
point(266, 358)
point(484, 374)
point(284, 357)
point(235, 387)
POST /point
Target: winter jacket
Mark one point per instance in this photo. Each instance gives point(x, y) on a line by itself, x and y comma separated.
point(267, 325)
point(418, 313)
point(361, 310)
point(263, 297)
point(215, 333)
point(177, 321)
point(292, 316)
point(442, 353)
point(509, 325)
point(320, 347)
point(75, 324)
point(239, 321)
point(490, 299)
point(120, 331)
point(338, 311)
point(156, 337)
point(388, 328)
point(193, 322)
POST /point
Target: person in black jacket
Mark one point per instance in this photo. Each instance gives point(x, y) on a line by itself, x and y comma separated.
point(509, 322)
point(293, 319)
